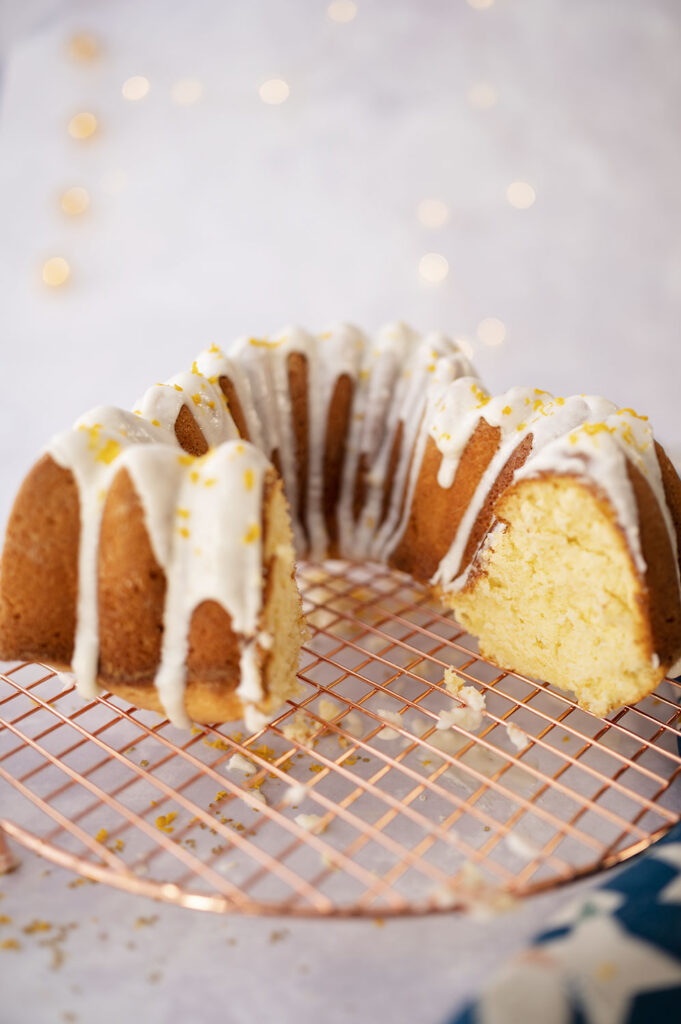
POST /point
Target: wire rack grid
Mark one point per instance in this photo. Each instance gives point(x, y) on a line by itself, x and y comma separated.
point(354, 800)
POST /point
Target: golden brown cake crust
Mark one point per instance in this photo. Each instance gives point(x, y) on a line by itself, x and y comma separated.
point(337, 428)
point(359, 490)
point(389, 480)
point(206, 702)
point(132, 587)
point(672, 493)
point(40, 567)
point(212, 671)
point(435, 517)
point(660, 591)
point(131, 596)
point(188, 433)
point(235, 407)
point(297, 369)
point(484, 519)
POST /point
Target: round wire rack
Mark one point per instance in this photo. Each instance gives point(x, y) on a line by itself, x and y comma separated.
point(352, 801)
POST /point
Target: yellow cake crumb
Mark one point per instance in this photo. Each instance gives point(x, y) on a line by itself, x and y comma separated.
point(327, 709)
point(311, 823)
point(301, 729)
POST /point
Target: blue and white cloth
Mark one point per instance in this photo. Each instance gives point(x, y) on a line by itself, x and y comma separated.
point(611, 957)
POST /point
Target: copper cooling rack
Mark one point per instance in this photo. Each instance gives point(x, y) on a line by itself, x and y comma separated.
point(352, 802)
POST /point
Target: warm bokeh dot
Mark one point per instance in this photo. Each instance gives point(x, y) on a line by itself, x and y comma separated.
point(491, 331)
point(186, 91)
point(274, 91)
point(75, 201)
point(82, 47)
point(432, 213)
point(56, 271)
point(433, 267)
point(342, 11)
point(482, 96)
point(82, 126)
point(135, 88)
point(521, 195)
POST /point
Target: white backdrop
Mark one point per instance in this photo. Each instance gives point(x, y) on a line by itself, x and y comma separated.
point(230, 215)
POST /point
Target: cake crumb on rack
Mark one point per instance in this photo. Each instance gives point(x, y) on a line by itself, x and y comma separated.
point(471, 892)
point(394, 718)
point(518, 738)
point(301, 729)
point(295, 794)
point(521, 846)
point(469, 716)
point(239, 763)
point(452, 682)
point(311, 823)
point(327, 709)
point(353, 724)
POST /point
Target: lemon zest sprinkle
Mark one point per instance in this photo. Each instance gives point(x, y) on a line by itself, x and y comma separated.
point(164, 822)
point(252, 533)
point(109, 451)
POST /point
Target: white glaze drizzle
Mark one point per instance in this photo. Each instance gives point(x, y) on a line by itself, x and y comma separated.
point(91, 451)
point(436, 359)
point(162, 403)
point(382, 362)
point(182, 498)
point(336, 353)
point(214, 364)
point(405, 365)
point(264, 360)
point(209, 562)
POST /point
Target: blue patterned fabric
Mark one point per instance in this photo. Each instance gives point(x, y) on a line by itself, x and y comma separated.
point(611, 957)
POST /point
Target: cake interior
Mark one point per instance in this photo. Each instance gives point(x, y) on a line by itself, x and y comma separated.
point(555, 594)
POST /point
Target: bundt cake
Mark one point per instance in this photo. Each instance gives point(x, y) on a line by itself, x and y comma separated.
point(152, 552)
